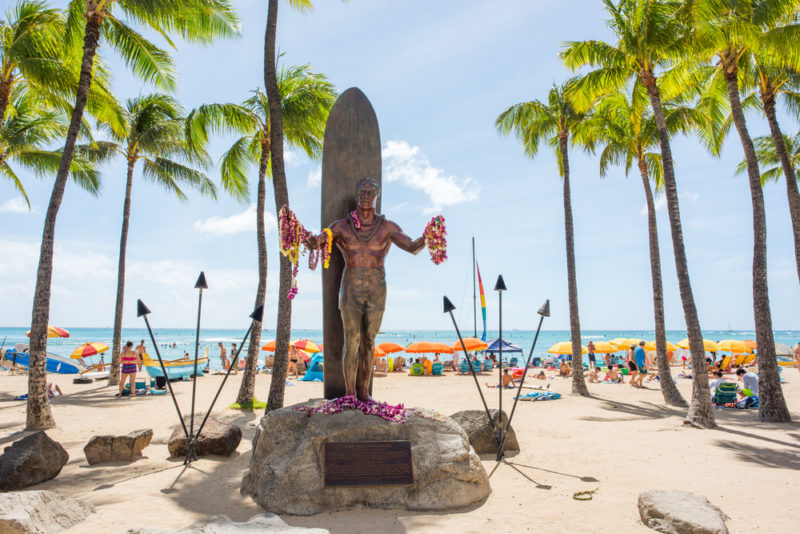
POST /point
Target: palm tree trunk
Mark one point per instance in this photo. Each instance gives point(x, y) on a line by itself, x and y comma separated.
point(578, 382)
point(772, 405)
point(284, 326)
point(668, 388)
point(5, 93)
point(788, 171)
point(39, 416)
point(113, 377)
point(701, 412)
point(247, 387)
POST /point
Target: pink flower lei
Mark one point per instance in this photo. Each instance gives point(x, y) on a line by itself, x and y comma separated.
point(384, 410)
point(356, 220)
point(435, 233)
point(293, 235)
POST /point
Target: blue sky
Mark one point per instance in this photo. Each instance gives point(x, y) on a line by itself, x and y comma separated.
point(437, 74)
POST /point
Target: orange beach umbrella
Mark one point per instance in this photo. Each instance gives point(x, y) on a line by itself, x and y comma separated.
point(388, 347)
point(53, 331)
point(426, 346)
point(471, 343)
point(269, 347)
point(88, 349)
point(379, 353)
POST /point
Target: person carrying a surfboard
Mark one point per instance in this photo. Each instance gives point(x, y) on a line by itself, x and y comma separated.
point(364, 238)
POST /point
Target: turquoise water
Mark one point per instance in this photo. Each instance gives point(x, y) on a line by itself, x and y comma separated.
point(184, 338)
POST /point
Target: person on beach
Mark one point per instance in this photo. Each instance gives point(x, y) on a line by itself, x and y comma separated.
point(233, 355)
point(293, 356)
point(640, 355)
point(564, 369)
point(797, 356)
point(749, 383)
point(714, 384)
point(612, 375)
point(129, 358)
point(223, 356)
point(507, 381)
point(632, 369)
point(140, 349)
point(591, 348)
point(53, 390)
point(594, 373)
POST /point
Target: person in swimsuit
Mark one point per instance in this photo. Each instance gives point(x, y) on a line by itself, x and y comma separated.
point(140, 349)
point(130, 360)
point(223, 356)
point(233, 355)
point(634, 371)
point(364, 240)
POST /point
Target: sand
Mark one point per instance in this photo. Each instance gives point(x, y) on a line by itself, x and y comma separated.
point(621, 441)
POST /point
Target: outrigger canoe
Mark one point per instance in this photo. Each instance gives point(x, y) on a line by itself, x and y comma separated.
point(175, 368)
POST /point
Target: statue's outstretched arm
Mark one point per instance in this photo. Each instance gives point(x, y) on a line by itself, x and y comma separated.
point(404, 242)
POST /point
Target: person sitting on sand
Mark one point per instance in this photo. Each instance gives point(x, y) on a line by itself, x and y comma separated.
point(564, 369)
point(399, 363)
point(507, 381)
point(53, 390)
point(612, 375)
point(749, 383)
point(541, 376)
point(716, 374)
point(594, 373)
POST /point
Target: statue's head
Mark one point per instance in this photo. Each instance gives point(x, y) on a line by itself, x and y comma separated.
point(367, 193)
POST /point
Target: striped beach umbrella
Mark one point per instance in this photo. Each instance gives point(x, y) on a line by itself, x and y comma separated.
point(53, 331)
point(306, 345)
point(88, 349)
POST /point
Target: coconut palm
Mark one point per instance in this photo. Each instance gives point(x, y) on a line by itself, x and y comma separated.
point(771, 163)
point(648, 33)
point(553, 122)
point(284, 327)
point(195, 21)
point(628, 131)
point(155, 137)
point(725, 32)
point(306, 99)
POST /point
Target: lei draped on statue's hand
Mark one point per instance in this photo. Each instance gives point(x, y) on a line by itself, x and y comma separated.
point(295, 241)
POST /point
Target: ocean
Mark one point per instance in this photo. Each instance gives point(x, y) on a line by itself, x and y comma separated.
point(175, 342)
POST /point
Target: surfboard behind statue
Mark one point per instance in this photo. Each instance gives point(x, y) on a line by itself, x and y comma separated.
point(351, 151)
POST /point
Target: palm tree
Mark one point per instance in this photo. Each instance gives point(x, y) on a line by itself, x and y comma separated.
point(629, 133)
point(284, 327)
point(770, 160)
point(648, 34)
point(725, 31)
point(193, 20)
point(155, 136)
point(553, 121)
point(306, 99)
point(25, 135)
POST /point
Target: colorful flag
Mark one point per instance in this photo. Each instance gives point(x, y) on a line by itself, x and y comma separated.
point(483, 301)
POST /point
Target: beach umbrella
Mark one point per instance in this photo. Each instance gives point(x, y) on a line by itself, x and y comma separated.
point(752, 345)
point(564, 347)
point(269, 347)
point(651, 345)
point(624, 343)
point(604, 347)
point(306, 345)
point(471, 343)
point(88, 349)
point(379, 353)
point(389, 347)
point(426, 346)
point(708, 345)
point(53, 331)
point(733, 345)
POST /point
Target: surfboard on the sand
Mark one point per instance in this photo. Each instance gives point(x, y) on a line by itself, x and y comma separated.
point(351, 151)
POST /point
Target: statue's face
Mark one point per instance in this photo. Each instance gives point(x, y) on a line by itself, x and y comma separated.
point(367, 195)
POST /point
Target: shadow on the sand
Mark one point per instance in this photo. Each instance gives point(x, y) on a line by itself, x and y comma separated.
point(640, 410)
point(763, 456)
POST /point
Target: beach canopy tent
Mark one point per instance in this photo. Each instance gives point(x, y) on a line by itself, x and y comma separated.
point(314, 373)
point(508, 346)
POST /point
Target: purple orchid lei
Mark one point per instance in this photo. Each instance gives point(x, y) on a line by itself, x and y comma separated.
point(356, 220)
point(384, 410)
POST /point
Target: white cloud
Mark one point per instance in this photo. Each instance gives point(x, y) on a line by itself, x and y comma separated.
point(290, 158)
point(240, 222)
point(660, 201)
point(314, 176)
point(16, 205)
point(405, 163)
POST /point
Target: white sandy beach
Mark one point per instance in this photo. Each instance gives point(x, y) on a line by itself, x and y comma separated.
point(622, 441)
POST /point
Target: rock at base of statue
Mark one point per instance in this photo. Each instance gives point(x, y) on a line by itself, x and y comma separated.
point(217, 438)
point(476, 425)
point(39, 512)
point(680, 512)
point(33, 459)
point(222, 524)
point(287, 467)
point(117, 448)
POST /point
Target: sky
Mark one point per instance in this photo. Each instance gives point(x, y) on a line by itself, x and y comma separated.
point(437, 74)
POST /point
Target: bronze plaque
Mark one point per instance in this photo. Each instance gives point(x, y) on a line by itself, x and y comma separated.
point(368, 463)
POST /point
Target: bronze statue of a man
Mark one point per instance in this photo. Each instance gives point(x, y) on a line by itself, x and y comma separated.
point(364, 241)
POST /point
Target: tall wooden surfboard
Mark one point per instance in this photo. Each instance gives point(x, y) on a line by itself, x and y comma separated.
point(351, 151)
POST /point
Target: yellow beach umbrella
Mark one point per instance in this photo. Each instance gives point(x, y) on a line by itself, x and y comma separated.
point(88, 349)
point(564, 347)
point(733, 345)
point(624, 343)
point(708, 345)
point(52, 331)
point(651, 345)
point(605, 347)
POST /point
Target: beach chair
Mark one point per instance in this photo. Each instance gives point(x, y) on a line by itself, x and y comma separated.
point(725, 364)
point(749, 359)
point(437, 369)
point(464, 366)
point(477, 366)
point(487, 364)
point(738, 361)
point(514, 362)
point(725, 394)
point(314, 372)
point(416, 369)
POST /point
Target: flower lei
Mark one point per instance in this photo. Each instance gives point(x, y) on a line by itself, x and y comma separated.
point(384, 410)
point(435, 233)
point(292, 236)
point(356, 220)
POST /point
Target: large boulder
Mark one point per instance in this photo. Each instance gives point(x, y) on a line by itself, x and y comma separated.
point(117, 448)
point(680, 512)
point(30, 460)
point(286, 469)
point(217, 438)
point(40, 512)
point(221, 524)
point(476, 425)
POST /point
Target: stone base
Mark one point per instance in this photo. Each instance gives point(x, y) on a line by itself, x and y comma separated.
point(286, 469)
